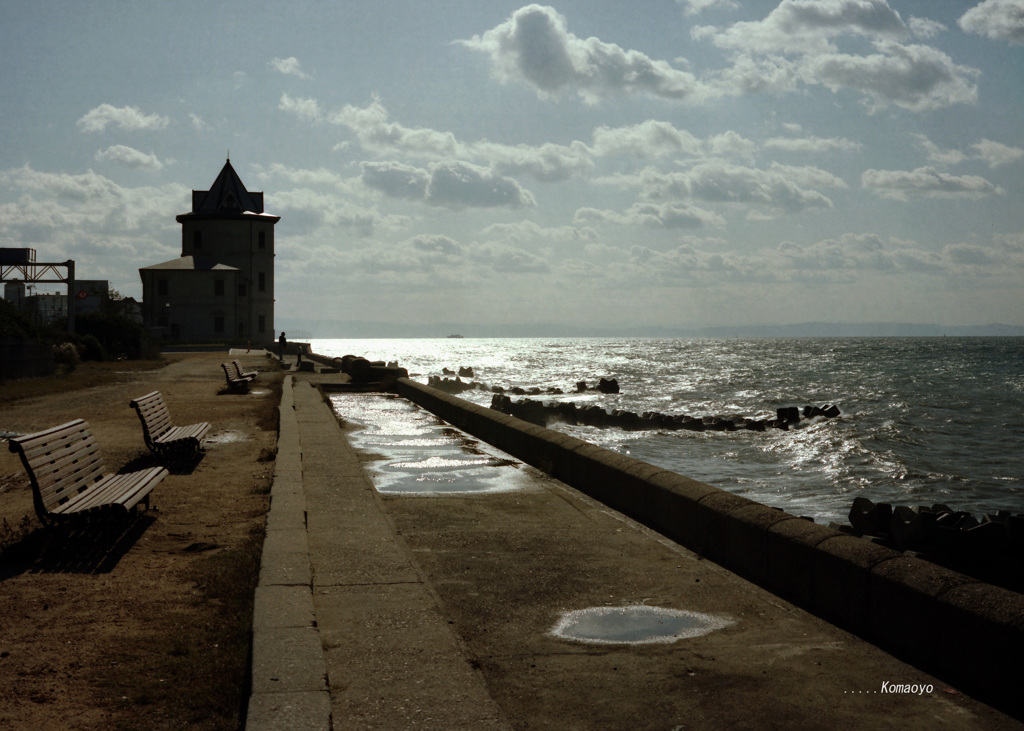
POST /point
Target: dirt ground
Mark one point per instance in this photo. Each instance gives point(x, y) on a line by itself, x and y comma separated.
point(147, 627)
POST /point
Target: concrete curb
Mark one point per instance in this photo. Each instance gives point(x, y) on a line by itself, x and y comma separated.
point(289, 671)
point(966, 631)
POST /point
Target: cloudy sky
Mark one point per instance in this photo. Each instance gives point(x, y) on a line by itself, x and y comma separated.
point(619, 164)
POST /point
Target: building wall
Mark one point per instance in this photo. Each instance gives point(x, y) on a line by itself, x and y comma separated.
point(90, 295)
point(191, 305)
point(248, 245)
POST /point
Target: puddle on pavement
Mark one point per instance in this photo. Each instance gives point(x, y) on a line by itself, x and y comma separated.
point(635, 625)
point(419, 454)
point(226, 437)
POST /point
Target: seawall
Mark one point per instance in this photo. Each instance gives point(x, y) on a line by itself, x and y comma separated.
point(961, 629)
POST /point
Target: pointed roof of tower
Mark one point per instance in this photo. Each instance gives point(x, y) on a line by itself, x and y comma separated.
point(227, 197)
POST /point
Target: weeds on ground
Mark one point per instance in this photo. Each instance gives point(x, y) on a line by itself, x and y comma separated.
point(86, 375)
point(197, 674)
point(13, 536)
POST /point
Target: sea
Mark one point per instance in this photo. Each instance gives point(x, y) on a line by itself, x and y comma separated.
point(923, 421)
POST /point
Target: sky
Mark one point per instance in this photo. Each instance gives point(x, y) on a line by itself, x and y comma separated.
point(593, 165)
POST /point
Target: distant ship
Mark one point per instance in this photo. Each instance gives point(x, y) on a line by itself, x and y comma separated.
point(455, 336)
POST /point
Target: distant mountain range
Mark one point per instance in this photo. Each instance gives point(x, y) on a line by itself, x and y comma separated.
point(299, 329)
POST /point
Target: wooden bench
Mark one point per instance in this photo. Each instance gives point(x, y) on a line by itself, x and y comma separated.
point(69, 481)
point(251, 375)
point(161, 436)
point(235, 383)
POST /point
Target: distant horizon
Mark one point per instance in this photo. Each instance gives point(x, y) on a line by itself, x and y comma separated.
point(400, 331)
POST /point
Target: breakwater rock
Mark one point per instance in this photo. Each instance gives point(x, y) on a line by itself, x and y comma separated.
point(990, 548)
point(567, 412)
point(456, 385)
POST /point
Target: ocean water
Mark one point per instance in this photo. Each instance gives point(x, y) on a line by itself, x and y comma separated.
point(924, 420)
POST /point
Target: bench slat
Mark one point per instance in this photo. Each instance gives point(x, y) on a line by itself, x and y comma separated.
point(244, 374)
point(123, 490)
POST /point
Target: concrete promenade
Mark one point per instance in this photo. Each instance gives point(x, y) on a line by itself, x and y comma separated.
point(436, 612)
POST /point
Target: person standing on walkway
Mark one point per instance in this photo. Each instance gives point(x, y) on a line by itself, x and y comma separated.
point(282, 343)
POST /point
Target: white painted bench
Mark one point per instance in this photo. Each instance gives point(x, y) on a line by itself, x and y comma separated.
point(251, 375)
point(162, 437)
point(69, 480)
point(235, 382)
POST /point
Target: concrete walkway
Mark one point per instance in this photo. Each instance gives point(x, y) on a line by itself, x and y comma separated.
point(436, 612)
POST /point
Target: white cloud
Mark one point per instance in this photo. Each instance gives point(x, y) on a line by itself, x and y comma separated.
point(506, 259)
point(994, 154)
point(1001, 20)
point(798, 42)
point(731, 145)
point(762, 75)
point(915, 77)
point(322, 214)
point(655, 215)
point(927, 182)
point(779, 189)
point(129, 157)
point(547, 162)
point(455, 185)
point(374, 132)
point(396, 180)
point(925, 28)
point(305, 109)
point(127, 118)
point(649, 139)
point(289, 66)
point(534, 47)
point(812, 144)
point(436, 244)
point(107, 229)
point(805, 26)
point(460, 185)
point(936, 154)
point(695, 7)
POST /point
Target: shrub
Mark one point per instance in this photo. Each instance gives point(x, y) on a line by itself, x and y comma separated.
point(66, 354)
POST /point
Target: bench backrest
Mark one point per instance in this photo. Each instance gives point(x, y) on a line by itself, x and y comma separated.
point(227, 373)
point(153, 414)
point(61, 462)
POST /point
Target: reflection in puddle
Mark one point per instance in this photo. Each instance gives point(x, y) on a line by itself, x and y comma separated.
point(419, 453)
point(635, 625)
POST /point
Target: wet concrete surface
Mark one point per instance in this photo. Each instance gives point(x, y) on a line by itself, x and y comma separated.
point(415, 453)
point(438, 608)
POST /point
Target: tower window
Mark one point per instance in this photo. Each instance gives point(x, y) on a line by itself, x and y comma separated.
point(261, 323)
point(218, 287)
point(161, 287)
point(241, 290)
point(262, 282)
point(263, 240)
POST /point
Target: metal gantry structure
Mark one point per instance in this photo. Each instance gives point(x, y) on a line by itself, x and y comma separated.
point(40, 272)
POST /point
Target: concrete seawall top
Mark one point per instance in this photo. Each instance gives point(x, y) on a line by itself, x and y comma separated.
point(949, 623)
point(383, 610)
